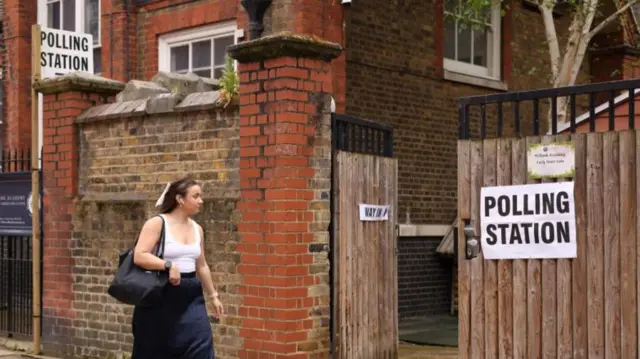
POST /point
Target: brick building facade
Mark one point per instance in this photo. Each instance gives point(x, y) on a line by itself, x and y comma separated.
point(399, 66)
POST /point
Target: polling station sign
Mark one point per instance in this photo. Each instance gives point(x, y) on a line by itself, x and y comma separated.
point(528, 221)
point(63, 52)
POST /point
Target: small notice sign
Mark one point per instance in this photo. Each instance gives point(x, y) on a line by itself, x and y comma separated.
point(553, 160)
point(62, 52)
point(371, 212)
point(528, 221)
point(15, 204)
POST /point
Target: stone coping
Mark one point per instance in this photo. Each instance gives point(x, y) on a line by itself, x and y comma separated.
point(78, 81)
point(285, 44)
point(158, 104)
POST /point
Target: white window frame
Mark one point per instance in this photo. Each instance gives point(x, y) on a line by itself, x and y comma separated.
point(184, 37)
point(494, 54)
point(80, 18)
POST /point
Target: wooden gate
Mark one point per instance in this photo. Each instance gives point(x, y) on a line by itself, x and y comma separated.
point(365, 319)
point(568, 308)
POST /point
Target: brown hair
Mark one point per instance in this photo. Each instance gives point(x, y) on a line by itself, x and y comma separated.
point(179, 187)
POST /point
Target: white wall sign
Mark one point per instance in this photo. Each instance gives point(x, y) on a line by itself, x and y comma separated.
point(552, 160)
point(371, 212)
point(62, 52)
point(528, 221)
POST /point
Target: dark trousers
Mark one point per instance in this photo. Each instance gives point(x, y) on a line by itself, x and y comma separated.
point(178, 328)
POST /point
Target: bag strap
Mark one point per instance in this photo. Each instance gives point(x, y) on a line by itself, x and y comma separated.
point(161, 242)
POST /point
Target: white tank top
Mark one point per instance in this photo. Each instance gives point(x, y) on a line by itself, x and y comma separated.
point(184, 255)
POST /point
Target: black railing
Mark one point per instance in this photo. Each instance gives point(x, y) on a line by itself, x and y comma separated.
point(353, 134)
point(16, 276)
point(608, 92)
point(15, 160)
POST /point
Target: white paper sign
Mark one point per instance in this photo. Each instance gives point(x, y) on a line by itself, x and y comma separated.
point(528, 221)
point(371, 212)
point(63, 51)
point(554, 160)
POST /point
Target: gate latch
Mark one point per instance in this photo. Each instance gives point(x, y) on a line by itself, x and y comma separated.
point(472, 241)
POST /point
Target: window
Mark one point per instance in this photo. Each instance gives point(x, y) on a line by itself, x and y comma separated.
point(472, 50)
point(201, 51)
point(75, 15)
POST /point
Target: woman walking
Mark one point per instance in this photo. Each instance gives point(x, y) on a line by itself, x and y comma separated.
point(179, 326)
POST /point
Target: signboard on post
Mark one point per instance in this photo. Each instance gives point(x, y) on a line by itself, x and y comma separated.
point(15, 204)
point(63, 51)
point(528, 221)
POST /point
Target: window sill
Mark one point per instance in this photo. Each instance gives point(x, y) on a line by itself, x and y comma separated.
point(475, 80)
point(423, 230)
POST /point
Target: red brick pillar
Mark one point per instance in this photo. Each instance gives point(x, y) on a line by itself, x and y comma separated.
point(19, 15)
point(285, 84)
point(118, 23)
point(64, 99)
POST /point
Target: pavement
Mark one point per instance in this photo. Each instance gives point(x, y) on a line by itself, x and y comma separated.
point(407, 351)
point(8, 354)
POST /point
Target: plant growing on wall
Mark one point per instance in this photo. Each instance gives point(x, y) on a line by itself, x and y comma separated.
point(229, 82)
point(565, 59)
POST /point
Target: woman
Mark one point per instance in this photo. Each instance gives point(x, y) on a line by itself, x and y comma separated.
point(179, 326)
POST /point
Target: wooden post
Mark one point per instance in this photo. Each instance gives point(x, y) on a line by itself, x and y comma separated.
point(35, 186)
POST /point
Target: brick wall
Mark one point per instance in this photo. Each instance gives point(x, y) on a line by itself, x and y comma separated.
point(19, 16)
point(103, 171)
point(394, 75)
point(424, 278)
point(285, 155)
point(125, 164)
point(60, 173)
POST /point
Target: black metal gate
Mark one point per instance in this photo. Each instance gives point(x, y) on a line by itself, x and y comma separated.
point(16, 275)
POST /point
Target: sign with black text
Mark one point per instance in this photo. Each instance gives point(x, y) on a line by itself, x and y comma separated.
point(15, 204)
point(63, 51)
point(371, 212)
point(528, 221)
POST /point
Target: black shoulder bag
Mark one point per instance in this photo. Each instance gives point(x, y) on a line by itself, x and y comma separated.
point(135, 285)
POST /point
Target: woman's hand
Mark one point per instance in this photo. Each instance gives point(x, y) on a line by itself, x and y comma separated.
point(174, 275)
point(218, 309)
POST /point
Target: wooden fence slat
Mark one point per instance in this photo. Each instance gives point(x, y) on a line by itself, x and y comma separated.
point(564, 296)
point(338, 277)
point(534, 296)
point(464, 212)
point(549, 295)
point(579, 265)
point(378, 290)
point(628, 246)
point(505, 276)
point(477, 272)
point(369, 236)
point(393, 190)
point(611, 182)
point(519, 172)
point(595, 248)
point(489, 161)
point(366, 252)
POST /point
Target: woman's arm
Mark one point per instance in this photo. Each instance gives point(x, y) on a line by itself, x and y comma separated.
point(203, 271)
point(149, 237)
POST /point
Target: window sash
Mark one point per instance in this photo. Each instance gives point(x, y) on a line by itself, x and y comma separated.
point(212, 65)
point(492, 69)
